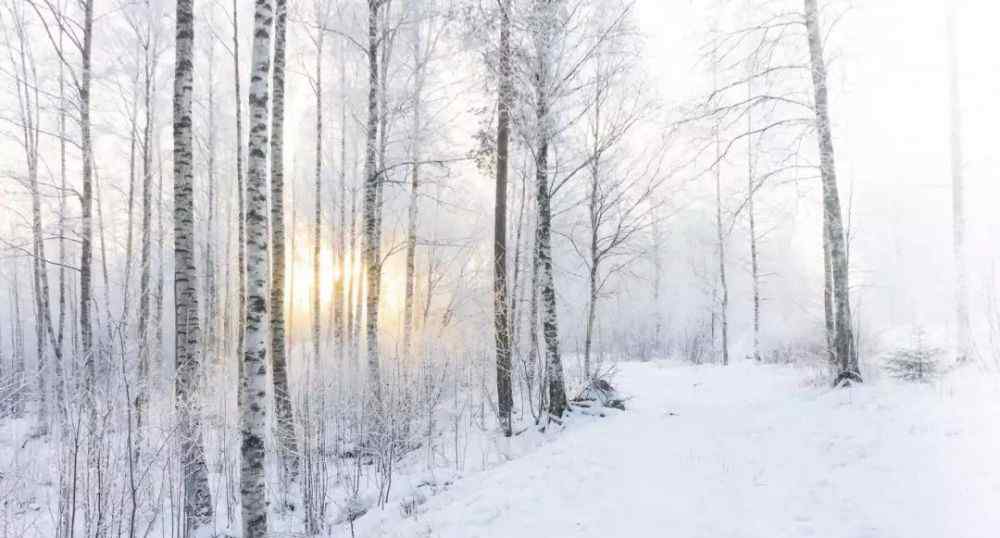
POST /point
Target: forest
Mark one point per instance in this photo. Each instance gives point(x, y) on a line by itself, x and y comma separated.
point(476, 268)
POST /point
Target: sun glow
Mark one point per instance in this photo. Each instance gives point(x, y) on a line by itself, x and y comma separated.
point(299, 277)
point(299, 282)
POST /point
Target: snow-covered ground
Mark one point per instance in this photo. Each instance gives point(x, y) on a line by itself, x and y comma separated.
point(743, 451)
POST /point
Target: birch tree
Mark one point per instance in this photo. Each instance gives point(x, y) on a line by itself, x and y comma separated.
point(253, 412)
point(197, 496)
point(370, 219)
point(282, 397)
point(957, 196)
point(543, 24)
point(845, 353)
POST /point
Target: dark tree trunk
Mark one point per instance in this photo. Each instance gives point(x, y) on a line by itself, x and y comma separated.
point(505, 398)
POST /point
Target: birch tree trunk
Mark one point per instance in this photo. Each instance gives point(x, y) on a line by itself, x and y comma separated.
point(419, 62)
point(253, 411)
point(752, 222)
point(371, 209)
point(353, 282)
point(721, 245)
point(318, 214)
point(847, 360)
point(211, 303)
point(86, 215)
point(340, 308)
point(594, 210)
point(241, 219)
point(197, 496)
point(501, 309)
point(142, 390)
point(958, 198)
point(545, 15)
point(829, 316)
point(282, 396)
point(29, 108)
point(60, 370)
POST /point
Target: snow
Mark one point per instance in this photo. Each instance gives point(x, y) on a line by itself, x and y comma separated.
point(741, 451)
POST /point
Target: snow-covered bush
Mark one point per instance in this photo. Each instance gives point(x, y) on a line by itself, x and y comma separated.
point(600, 392)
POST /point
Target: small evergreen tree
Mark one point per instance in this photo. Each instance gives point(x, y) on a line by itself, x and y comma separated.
point(916, 363)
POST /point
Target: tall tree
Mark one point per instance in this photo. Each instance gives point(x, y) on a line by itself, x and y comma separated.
point(282, 396)
point(958, 196)
point(416, 141)
point(501, 310)
point(720, 238)
point(86, 212)
point(318, 177)
point(253, 409)
point(343, 259)
point(752, 231)
point(544, 23)
point(370, 226)
point(145, 227)
point(846, 356)
point(29, 119)
point(241, 219)
point(197, 495)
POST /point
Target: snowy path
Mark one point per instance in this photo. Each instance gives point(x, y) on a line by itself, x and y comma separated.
point(749, 452)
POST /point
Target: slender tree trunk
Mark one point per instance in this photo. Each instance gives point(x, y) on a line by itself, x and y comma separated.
point(241, 219)
point(962, 330)
point(318, 214)
point(161, 235)
point(752, 221)
point(17, 347)
point(130, 208)
point(416, 142)
point(533, 355)
point(211, 296)
point(60, 369)
point(501, 309)
point(340, 308)
point(282, 396)
point(829, 316)
point(353, 281)
point(27, 89)
point(658, 346)
point(253, 413)
point(594, 214)
point(197, 496)
point(370, 226)
point(86, 217)
point(847, 360)
point(550, 325)
point(721, 244)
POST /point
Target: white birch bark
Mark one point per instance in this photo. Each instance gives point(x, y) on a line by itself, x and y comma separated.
point(253, 411)
point(282, 396)
point(197, 496)
point(370, 224)
point(847, 361)
point(544, 20)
